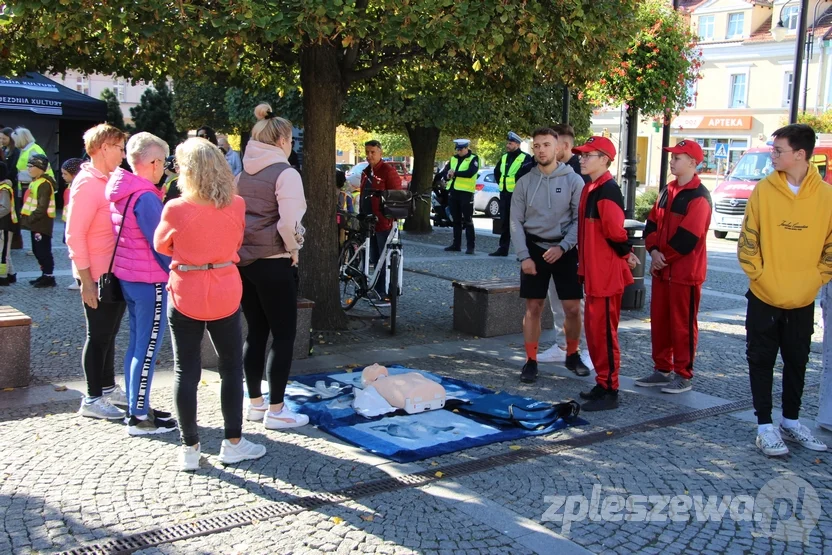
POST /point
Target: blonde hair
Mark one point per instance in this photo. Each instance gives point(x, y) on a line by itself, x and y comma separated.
point(96, 137)
point(141, 145)
point(203, 173)
point(270, 129)
point(22, 137)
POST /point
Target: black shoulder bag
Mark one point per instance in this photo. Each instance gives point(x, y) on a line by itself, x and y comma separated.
point(109, 288)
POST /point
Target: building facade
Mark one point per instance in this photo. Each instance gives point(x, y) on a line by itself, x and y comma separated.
point(94, 84)
point(745, 90)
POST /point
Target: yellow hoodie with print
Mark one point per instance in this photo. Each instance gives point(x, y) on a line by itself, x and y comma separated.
point(785, 245)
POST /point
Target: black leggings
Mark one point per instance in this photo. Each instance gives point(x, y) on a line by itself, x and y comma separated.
point(186, 338)
point(270, 305)
point(100, 347)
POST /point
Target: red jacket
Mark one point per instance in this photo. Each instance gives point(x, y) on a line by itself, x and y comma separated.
point(602, 240)
point(385, 178)
point(677, 227)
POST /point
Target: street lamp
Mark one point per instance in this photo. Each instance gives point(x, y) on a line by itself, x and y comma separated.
point(778, 33)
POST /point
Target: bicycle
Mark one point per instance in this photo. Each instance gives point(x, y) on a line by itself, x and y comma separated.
point(354, 259)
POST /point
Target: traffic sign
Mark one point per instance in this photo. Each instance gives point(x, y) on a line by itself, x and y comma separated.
point(721, 150)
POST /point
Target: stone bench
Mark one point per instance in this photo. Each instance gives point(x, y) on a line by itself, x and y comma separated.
point(492, 307)
point(302, 339)
point(15, 341)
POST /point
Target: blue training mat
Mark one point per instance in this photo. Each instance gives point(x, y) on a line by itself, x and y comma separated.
point(399, 436)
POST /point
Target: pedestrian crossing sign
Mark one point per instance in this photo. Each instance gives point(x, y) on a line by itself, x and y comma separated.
point(721, 150)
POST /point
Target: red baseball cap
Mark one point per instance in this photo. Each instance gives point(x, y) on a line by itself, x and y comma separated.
point(691, 148)
point(601, 144)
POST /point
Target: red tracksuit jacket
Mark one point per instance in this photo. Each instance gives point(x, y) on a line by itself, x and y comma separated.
point(678, 227)
point(385, 178)
point(602, 240)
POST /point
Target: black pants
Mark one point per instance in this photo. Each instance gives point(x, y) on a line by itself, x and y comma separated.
point(505, 220)
point(99, 351)
point(462, 212)
point(376, 247)
point(186, 337)
point(769, 329)
point(43, 252)
point(270, 304)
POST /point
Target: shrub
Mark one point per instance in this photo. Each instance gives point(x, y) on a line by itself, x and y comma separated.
point(644, 203)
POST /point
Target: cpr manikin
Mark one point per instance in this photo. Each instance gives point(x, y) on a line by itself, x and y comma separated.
point(411, 392)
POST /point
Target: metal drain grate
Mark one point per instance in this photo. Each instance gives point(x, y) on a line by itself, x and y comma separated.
point(279, 509)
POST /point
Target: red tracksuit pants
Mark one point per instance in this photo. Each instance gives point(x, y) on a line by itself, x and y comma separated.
point(601, 316)
point(674, 327)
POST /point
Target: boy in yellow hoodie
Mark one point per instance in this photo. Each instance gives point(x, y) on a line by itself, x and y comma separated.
point(785, 248)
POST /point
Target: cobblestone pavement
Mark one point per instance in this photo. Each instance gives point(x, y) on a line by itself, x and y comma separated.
point(66, 482)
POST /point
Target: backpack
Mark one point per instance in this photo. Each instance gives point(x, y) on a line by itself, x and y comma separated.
point(505, 409)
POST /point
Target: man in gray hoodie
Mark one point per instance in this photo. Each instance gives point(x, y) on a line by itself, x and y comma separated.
point(544, 233)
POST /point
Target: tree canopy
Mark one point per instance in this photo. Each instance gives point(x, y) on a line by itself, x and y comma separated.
point(115, 117)
point(153, 114)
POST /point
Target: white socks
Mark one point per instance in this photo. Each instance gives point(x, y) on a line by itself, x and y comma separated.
point(790, 424)
point(763, 427)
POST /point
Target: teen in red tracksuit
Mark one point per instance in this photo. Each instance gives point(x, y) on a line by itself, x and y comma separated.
point(605, 260)
point(675, 236)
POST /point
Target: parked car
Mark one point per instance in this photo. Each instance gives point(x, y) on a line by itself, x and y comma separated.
point(731, 196)
point(401, 169)
point(487, 196)
point(344, 167)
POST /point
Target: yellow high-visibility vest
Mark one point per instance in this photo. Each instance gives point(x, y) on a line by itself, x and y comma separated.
point(507, 179)
point(23, 160)
point(465, 184)
point(31, 203)
point(7, 185)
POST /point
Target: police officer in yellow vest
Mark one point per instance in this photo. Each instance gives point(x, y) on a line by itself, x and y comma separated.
point(460, 173)
point(38, 216)
point(513, 165)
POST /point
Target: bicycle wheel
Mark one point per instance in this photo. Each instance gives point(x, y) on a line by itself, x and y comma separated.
point(349, 275)
point(393, 291)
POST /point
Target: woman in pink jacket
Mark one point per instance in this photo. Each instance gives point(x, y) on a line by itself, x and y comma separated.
point(136, 208)
point(90, 241)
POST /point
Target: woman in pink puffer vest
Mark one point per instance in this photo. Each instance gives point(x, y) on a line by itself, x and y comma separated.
point(136, 208)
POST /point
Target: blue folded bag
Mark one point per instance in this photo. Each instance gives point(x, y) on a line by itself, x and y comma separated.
point(505, 409)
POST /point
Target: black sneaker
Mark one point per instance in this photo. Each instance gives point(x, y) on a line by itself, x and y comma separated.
point(149, 426)
point(608, 401)
point(160, 414)
point(469, 250)
point(45, 281)
point(575, 364)
point(498, 252)
point(36, 281)
point(12, 278)
point(4, 282)
point(529, 373)
point(453, 249)
point(595, 393)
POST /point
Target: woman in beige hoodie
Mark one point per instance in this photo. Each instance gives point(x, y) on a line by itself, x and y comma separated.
point(275, 205)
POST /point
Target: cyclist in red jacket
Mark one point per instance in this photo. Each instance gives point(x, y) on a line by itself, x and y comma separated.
point(675, 236)
point(605, 260)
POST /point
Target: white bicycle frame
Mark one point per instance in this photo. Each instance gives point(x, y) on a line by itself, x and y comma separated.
point(394, 237)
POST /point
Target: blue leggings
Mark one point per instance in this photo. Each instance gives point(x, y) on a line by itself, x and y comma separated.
point(147, 305)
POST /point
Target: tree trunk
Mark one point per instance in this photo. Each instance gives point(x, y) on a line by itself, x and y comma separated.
point(630, 163)
point(323, 93)
point(424, 142)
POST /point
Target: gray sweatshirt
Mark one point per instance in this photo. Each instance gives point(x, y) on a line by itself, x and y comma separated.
point(546, 206)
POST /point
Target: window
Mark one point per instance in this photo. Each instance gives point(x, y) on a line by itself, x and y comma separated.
point(738, 90)
point(82, 85)
point(706, 27)
point(119, 87)
point(711, 165)
point(789, 17)
point(788, 80)
point(736, 22)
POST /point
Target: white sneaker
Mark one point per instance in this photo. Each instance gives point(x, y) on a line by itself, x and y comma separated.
point(587, 360)
point(555, 354)
point(285, 419)
point(770, 443)
point(243, 451)
point(74, 286)
point(101, 408)
point(256, 413)
point(117, 396)
point(802, 435)
point(189, 457)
